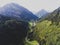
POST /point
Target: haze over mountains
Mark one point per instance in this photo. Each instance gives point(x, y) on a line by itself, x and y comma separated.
point(14, 10)
point(42, 13)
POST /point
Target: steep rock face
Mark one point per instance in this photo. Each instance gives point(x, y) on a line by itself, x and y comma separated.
point(16, 11)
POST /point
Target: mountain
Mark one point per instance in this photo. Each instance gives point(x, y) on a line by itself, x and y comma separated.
point(14, 10)
point(42, 13)
point(48, 29)
point(54, 16)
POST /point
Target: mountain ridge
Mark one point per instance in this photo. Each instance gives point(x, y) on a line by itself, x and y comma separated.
point(15, 10)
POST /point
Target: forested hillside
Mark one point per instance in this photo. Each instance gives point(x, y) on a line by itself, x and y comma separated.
point(47, 31)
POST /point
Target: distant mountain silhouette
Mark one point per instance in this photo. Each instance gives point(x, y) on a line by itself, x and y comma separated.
point(14, 10)
point(41, 13)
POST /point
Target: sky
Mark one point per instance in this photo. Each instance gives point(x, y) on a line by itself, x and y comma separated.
point(35, 5)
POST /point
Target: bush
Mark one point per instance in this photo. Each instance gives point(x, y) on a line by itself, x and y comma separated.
point(34, 42)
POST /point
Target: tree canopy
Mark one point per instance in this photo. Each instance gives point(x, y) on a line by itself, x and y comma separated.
point(13, 32)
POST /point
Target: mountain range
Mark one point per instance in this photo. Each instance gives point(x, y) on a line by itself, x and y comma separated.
point(54, 16)
point(15, 11)
point(18, 12)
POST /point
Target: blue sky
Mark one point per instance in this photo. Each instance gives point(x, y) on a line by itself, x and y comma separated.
point(35, 5)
